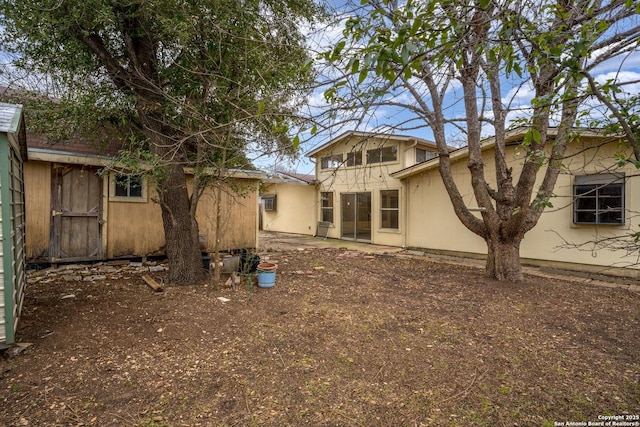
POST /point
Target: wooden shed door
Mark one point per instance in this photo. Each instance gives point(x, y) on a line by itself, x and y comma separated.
point(76, 214)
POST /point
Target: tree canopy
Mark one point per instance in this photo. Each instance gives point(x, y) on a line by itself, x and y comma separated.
point(194, 84)
point(476, 68)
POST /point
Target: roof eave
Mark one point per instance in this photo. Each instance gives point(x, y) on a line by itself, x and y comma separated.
point(54, 156)
point(353, 133)
point(511, 137)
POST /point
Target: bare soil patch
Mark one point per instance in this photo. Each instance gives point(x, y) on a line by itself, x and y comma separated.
point(343, 339)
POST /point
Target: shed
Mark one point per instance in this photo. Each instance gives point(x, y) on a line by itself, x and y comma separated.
point(13, 152)
point(79, 211)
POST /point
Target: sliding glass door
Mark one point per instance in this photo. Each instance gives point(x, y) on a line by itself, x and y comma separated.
point(356, 216)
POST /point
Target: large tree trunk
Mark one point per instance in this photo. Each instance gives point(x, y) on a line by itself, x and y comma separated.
point(182, 242)
point(503, 258)
point(133, 69)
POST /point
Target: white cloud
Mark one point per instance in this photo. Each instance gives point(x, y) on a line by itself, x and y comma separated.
point(629, 80)
point(626, 61)
point(520, 95)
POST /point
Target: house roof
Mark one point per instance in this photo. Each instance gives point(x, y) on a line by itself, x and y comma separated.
point(62, 154)
point(364, 135)
point(289, 177)
point(82, 147)
point(512, 137)
point(41, 142)
point(83, 151)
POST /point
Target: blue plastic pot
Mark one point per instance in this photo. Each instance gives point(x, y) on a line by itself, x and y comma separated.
point(266, 279)
point(266, 274)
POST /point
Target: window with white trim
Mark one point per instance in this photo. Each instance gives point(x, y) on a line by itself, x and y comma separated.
point(390, 209)
point(598, 199)
point(383, 154)
point(423, 155)
point(331, 162)
point(326, 203)
point(127, 187)
point(354, 158)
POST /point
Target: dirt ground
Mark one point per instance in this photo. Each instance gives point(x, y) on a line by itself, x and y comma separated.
point(344, 338)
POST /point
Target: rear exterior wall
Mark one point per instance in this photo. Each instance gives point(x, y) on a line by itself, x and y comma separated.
point(433, 224)
point(296, 208)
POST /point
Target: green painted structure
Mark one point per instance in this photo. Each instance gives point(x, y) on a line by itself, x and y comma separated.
point(13, 154)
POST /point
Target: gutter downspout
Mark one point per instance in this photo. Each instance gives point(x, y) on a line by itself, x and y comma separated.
point(405, 187)
point(415, 143)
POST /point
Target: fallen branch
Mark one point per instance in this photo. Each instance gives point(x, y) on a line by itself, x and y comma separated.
point(152, 283)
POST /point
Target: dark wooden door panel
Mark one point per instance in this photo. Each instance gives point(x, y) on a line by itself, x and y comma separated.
point(76, 214)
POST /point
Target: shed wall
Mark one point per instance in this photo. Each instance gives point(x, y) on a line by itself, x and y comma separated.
point(3, 225)
point(134, 228)
point(37, 179)
point(238, 215)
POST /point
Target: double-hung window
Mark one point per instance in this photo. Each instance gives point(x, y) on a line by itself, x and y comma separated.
point(389, 209)
point(354, 158)
point(599, 199)
point(327, 206)
point(423, 155)
point(331, 162)
point(383, 154)
point(270, 202)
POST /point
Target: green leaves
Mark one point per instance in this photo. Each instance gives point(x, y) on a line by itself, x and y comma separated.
point(219, 74)
point(363, 75)
point(541, 203)
point(531, 136)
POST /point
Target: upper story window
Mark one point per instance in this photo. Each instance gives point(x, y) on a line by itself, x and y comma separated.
point(331, 162)
point(423, 155)
point(383, 154)
point(130, 188)
point(598, 199)
point(354, 158)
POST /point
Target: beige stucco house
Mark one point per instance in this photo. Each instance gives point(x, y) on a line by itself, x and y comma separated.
point(355, 190)
point(386, 189)
point(353, 195)
point(594, 201)
point(298, 215)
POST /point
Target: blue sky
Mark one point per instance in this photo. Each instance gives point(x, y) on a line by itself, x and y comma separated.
point(384, 118)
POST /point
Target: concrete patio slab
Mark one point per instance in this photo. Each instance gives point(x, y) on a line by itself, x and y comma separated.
point(271, 241)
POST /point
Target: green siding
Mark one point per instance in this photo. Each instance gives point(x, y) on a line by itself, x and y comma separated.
point(5, 259)
point(12, 232)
